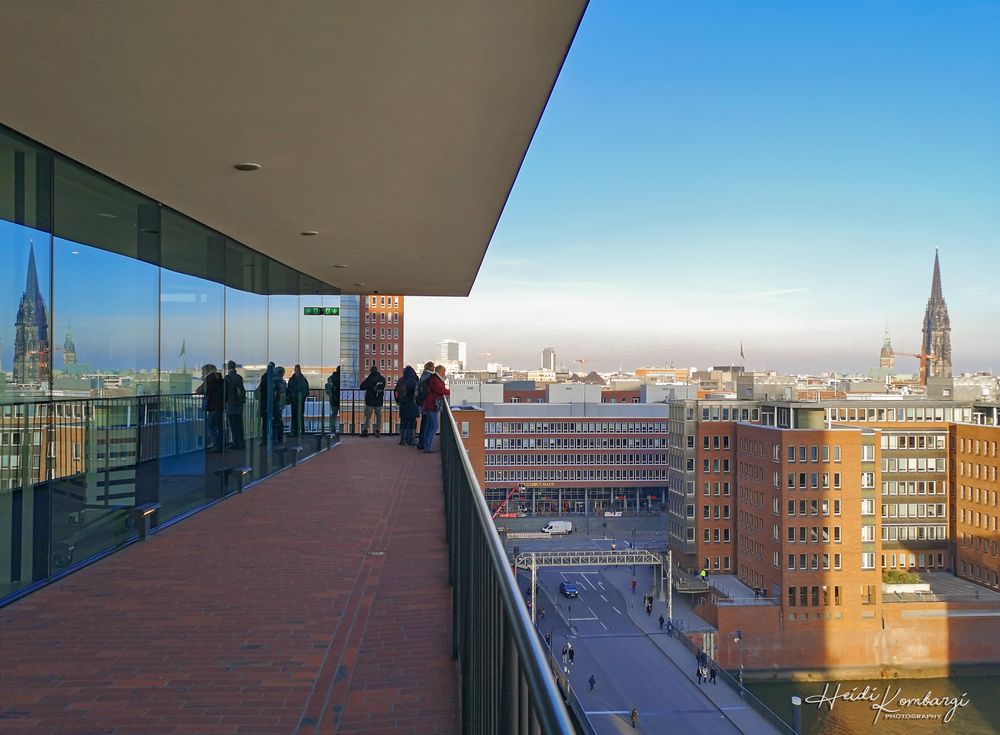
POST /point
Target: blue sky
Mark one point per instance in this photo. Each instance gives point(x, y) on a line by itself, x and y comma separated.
point(776, 173)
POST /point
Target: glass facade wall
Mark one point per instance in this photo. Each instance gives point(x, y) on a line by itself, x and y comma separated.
point(117, 318)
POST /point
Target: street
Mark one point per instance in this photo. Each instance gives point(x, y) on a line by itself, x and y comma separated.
point(629, 669)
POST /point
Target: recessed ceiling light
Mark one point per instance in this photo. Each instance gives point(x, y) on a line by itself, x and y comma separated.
point(108, 215)
point(74, 252)
point(247, 166)
point(339, 265)
point(359, 284)
point(309, 233)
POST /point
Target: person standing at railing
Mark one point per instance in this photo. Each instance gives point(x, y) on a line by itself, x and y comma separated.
point(436, 392)
point(298, 391)
point(421, 397)
point(332, 389)
point(280, 392)
point(406, 396)
point(236, 398)
point(374, 388)
point(211, 389)
point(263, 392)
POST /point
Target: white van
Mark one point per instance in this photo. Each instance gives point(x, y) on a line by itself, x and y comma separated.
point(557, 527)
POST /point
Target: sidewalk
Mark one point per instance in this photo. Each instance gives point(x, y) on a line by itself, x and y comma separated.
point(735, 709)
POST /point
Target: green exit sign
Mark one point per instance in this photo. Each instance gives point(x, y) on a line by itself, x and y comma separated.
point(321, 310)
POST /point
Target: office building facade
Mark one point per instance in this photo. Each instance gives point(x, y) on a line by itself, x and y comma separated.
point(381, 322)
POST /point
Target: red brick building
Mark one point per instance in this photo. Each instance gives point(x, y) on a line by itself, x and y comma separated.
point(381, 336)
point(975, 512)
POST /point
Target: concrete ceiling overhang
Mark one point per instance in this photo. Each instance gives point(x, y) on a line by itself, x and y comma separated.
point(394, 129)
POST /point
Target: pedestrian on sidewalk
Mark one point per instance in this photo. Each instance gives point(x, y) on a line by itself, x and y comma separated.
point(670, 629)
point(661, 622)
point(592, 681)
point(633, 586)
point(572, 653)
point(548, 640)
point(634, 716)
point(713, 672)
point(698, 672)
point(649, 609)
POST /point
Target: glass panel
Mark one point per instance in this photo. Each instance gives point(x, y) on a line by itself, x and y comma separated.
point(106, 461)
point(311, 351)
point(25, 182)
point(283, 314)
point(96, 211)
point(192, 341)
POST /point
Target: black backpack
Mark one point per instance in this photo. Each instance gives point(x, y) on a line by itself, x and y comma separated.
point(400, 393)
point(423, 388)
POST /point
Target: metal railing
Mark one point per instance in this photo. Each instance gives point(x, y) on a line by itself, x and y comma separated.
point(738, 686)
point(506, 685)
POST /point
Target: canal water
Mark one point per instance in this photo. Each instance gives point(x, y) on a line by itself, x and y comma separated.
point(909, 708)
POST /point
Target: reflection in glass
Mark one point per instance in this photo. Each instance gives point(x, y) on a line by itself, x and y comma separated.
point(106, 312)
point(192, 339)
point(25, 344)
point(105, 325)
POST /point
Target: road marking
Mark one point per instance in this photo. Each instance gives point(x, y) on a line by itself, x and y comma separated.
point(575, 619)
point(603, 625)
point(604, 598)
point(607, 712)
point(732, 707)
point(591, 611)
point(616, 609)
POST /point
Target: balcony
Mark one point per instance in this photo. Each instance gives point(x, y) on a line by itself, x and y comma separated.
point(330, 596)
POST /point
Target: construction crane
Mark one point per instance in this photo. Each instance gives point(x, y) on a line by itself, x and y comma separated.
point(923, 357)
point(516, 490)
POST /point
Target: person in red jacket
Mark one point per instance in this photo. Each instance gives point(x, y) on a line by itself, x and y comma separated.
point(436, 391)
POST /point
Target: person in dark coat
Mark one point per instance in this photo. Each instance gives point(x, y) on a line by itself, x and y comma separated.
point(261, 393)
point(298, 391)
point(236, 397)
point(374, 388)
point(433, 403)
point(407, 391)
point(279, 390)
point(212, 388)
point(421, 389)
point(332, 390)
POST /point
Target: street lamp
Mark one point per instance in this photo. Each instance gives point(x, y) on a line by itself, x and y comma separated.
point(633, 549)
point(738, 639)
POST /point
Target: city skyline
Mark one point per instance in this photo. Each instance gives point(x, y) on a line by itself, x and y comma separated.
point(773, 175)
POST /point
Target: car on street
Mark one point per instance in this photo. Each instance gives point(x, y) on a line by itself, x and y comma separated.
point(568, 589)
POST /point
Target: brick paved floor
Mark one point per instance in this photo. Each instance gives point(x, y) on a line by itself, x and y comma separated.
point(267, 613)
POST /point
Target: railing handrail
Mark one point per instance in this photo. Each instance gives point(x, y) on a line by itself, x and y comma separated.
point(549, 706)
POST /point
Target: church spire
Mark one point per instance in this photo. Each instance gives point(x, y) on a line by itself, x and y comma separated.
point(936, 279)
point(936, 342)
point(31, 279)
point(31, 331)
